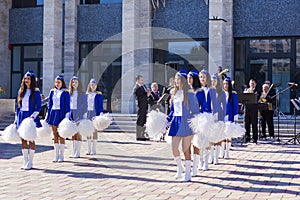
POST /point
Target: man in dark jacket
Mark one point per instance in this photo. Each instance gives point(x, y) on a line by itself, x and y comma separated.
point(154, 97)
point(141, 94)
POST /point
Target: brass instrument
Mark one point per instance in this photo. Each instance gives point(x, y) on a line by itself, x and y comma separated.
point(223, 72)
point(263, 99)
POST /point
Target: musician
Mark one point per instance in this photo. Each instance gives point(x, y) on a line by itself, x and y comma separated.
point(141, 94)
point(168, 90)
point(251, 114)
point(267, 113)
point(222, 73)
point(154, 97)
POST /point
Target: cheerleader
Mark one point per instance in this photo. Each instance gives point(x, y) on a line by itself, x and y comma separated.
point(221, 110)
point(28, 105)
point(94, 108)
point(206, 97)
point(183, 105)
point(231, 113)
point(78, 108)
point(58, 109)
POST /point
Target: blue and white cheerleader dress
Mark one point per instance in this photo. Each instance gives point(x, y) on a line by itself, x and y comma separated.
point(58, 106)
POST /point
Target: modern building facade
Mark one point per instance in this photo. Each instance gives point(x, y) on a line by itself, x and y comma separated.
point(114, 40)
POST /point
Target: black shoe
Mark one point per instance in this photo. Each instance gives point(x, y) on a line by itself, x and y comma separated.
point(142, 139)
point(247, 140)
point(255, 141)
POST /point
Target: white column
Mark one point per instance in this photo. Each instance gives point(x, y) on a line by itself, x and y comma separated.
point(71, 46)
point(220, 34)
point(5, 65)
point(52, 43)
point(136, 34)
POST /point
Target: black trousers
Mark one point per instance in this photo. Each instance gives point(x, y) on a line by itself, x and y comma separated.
point(251, 115)
point(267, 118)
point(141, 121)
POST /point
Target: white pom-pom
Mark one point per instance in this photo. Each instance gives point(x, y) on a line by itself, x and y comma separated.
point(233, 130)
point(27, 129)
point(10, 134)
point(200, 125)
point(45, 130)
point(217, 132)
point(102, 121)
point(156, 124)
point(67, 128)
point(85, 128)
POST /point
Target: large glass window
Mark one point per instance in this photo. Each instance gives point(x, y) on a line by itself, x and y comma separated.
point(270, 46)
point(297, 74)
point(103, 62)
point(239, 64)
point(28, 3)
point(100, 1)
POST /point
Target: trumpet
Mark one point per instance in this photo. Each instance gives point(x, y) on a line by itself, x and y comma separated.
point(223, 72)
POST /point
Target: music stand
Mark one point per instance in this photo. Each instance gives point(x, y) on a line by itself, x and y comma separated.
point(277, 95)
point(296, 136)
point(246, 98)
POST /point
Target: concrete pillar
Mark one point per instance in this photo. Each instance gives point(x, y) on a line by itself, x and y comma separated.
point(5, 57)
point(136, 38)
point(71, 45)
point(220, 34)
point(52, 43)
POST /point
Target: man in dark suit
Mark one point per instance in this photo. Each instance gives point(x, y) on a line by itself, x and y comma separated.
point(154, 97)
point(251, 113)
point(141, 94)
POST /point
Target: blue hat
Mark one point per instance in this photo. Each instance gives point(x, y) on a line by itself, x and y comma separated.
point(214, 76)
point(228, 79)
point(93, 81)
point(75, 78)
point(204, 71)
point(29, 73)
point(182, 72)
point(193, 72)
point(60, 77)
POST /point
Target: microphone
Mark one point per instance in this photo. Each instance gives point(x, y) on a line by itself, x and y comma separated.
point(293, 84)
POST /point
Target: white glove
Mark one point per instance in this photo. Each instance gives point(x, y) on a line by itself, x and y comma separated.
point(35, 114)
point(67, 115)
point(236, 118)
point(226, 118)
point(85, 115)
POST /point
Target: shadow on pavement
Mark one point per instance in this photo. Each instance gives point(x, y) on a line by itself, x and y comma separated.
point(254, 188)
point(9, 151)
point(93, 175)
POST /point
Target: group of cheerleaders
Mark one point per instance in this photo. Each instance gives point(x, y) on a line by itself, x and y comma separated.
point(194, 92)
point(72, 103)
point(198, 92)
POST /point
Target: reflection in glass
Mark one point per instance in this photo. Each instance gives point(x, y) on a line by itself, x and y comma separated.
point(33, 51)
point(259, 71)
point(183, 48)
point(281, 74)
point(270, 46)
point(16, 58)
point(240, 54)
point(239, 81)
point(16, 81)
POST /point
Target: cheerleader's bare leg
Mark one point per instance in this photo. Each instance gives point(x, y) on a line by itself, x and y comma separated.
point(186, 148)
point(176, 154)
point(56, 145)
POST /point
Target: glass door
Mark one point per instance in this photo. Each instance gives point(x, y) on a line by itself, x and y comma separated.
point(259, 71)
point(281, 71)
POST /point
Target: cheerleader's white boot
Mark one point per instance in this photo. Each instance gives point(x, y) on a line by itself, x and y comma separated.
point(187, 174)
point(222, 150)
point(211, 155)
point(89, 147)
point(61, 153)
point(78, 147)
point(216, 155)
point(205, 163)
point(56, 151)
point(30, 159)
point(72, 155)
point(94, 145)
point(228, 145)
point(179, 167)
point(196, 159)
point(201, 161)
point(25, 158)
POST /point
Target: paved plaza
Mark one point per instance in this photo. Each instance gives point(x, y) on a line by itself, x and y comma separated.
point(126, 169)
